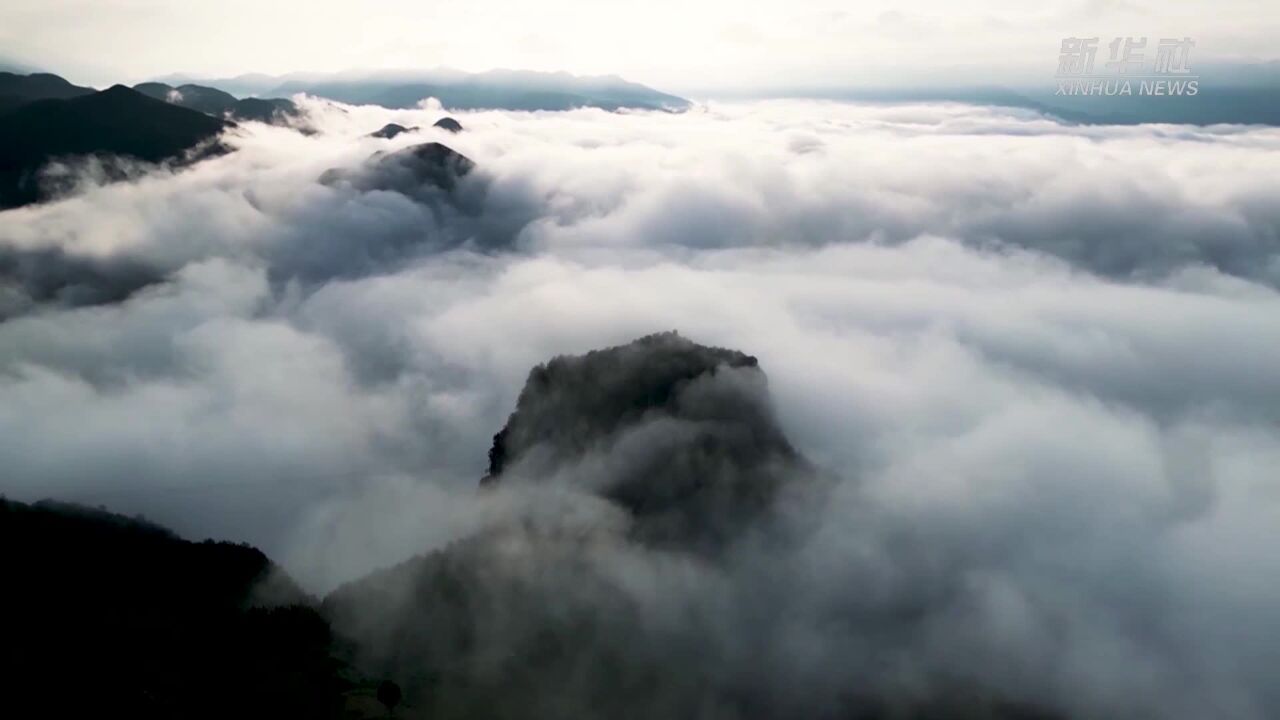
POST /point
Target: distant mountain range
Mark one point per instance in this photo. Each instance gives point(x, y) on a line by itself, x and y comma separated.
point(43, 116)
point(212, 101)
point(1227, 93)
point(14, 65)
point(496, 89)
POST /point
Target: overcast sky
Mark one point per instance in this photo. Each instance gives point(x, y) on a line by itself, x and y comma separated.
point(676, 44)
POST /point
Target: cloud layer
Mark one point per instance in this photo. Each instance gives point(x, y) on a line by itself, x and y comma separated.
point(1039, 361)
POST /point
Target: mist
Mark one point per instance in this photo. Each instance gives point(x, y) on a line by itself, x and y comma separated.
point(1027, 368)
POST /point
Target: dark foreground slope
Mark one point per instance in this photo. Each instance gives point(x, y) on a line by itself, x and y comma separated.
point(111, 616)
point(115, 122)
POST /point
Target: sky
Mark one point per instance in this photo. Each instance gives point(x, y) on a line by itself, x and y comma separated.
point(673, 44)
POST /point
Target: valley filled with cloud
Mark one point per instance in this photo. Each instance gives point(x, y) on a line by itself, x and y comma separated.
point(1031, 368)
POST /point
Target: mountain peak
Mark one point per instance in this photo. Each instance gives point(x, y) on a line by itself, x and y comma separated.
point(448, 123)
point(694, 487)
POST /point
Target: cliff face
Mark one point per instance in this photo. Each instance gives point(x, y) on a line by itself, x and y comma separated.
point(680, 435)
point(635, 469)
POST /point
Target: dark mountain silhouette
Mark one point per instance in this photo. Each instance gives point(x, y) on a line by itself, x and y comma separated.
point(390, 130)
point(18, 90)
point(245, 85)
point(210, 101)
point(115, 122)
point(448, 123)
point(273, 111)
point(116, 615)
point(408, 171)
point(716, 466)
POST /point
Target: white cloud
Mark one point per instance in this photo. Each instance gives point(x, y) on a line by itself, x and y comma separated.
point(1040, 359)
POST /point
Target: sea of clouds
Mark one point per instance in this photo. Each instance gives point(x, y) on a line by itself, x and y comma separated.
point(1041, 359)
